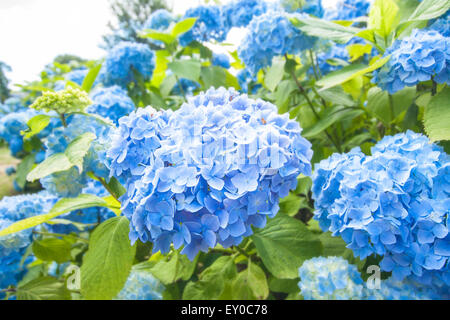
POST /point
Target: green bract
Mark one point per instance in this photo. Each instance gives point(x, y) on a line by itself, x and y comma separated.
point(69, 100)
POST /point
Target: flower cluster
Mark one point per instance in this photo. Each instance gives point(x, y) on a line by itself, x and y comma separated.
point(124, 61)
point(239, 13)
point(221, 60)
point(12, 247)
point(270, 35)
point(209, 25)
point(348, 10)
point(159, 20)
point(185, 87)
point(312, 7)
point(141, 285)
point(11, 126)
point(207, 172)
point(112, 103)
point(442, 25)
point(77, 76)
point(66, 101)
point(12, 104)
point(422, 56)
point(331, 278)
point(69, 183)
point(394, 203)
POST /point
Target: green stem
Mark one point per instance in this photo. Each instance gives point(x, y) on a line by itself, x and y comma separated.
point(316, 74)
point(63, 119)
point(434, 87)
point(391, 111)
point(241, 251)
point(106, 186)
point(221, 250)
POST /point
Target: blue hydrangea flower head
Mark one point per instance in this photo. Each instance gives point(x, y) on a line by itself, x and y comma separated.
point(393, 203)
point(270, 35)
point(111, 102)
point(239, 13)
point(141, 285)
point(11, 126)
point(207, 172)
point(12, 104)
point(312, 7)
point(15, 208)
point(124, 60)
point(331, 278)
point(77, 76)
point(442, 25)
point(209, 25)
point(422, 56)
point(159, 20)
point(221, 60)
point(348, 10)
point(69, 183)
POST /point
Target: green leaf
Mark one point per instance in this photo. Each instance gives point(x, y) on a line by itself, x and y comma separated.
point(250, 284)
point(36, 125)
point(107, 263)
point(357, 50)
point(52, 249)
point(332, 116)
point(325, 29)
point(23, 169)
point(157, 35)
point(332, 246)
point(436, 119)
point(64, 205)
point(430, 9)
point(55, 163)
point(284, 244)
point(378, 102)
point(284, 285)
point(291, 204)
point(117, 189)
point(349, 72)
point(383, 17)
point(188, 69)
point(72, 156)
point(337, 96)
point(426, 10)
point(212, 281)
point(170, 268)
point(89, 80)
point(183, 26)
point(78, 148)
point(275, 73)
point(45, 288)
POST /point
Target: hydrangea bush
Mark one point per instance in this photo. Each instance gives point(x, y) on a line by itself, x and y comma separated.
point(311, 157)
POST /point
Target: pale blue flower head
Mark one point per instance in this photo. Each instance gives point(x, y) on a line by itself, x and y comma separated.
point(141, 285)
point(239, 13)
point(210, 25)
point(111, 103)
point(348, 10)
point(124, 61)
point(331, 278)
point(207, 172)
point(423, 56)
point(393, 203)
point(221, 60)
point(270, 35)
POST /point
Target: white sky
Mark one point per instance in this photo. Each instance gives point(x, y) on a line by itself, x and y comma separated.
point(34, 32)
